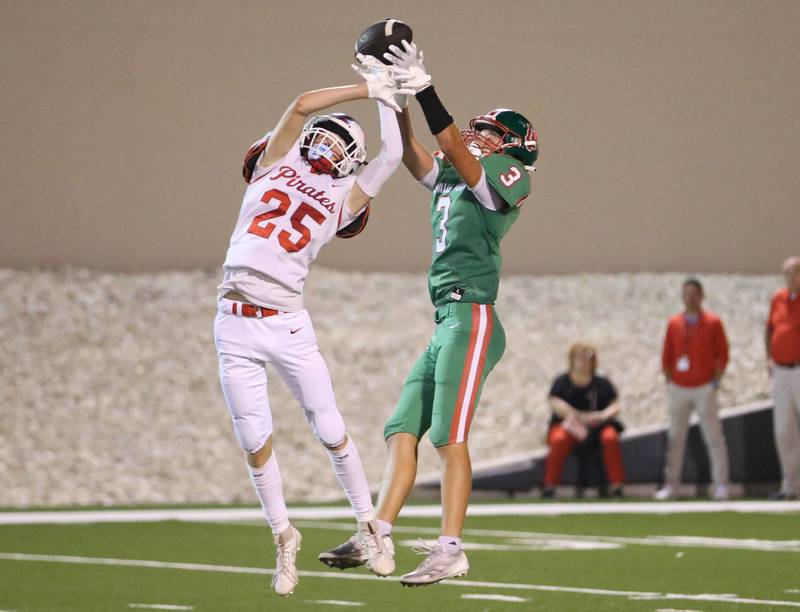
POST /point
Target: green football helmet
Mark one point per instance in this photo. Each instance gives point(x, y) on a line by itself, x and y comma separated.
point(520, 139)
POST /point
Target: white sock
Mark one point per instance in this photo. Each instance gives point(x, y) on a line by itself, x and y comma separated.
point(451, 544)
point(269, 488)
point(350, 474)
point(384, 528)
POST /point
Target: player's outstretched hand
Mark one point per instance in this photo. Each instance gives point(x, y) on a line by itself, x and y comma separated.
point(409, 70)
point(381, 83)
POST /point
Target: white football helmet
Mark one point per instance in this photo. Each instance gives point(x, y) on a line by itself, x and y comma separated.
point(333, 144)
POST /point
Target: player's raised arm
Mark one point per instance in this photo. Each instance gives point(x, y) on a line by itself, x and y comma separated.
point(372, 178)
point(416, 157)
point(378, 85)
point(412, 74)
point(291, 123)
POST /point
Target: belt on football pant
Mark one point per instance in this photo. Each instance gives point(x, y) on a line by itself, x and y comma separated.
point(251, 310)
point(794, 364)
point(240, 308)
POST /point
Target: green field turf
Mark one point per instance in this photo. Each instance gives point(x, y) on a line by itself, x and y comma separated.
point(514, 557)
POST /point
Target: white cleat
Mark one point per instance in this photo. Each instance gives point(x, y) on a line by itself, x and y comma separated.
point(364, 548)
point(438, 565)
point(664, 493)
point(352, 553)
point(286, 578)
point(380, 550)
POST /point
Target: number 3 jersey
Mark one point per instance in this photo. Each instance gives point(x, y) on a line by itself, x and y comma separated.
point(466, 235)
point(288, 214)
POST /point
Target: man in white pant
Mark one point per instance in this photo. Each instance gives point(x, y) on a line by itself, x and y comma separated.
point(694, 358)
point(783, 361)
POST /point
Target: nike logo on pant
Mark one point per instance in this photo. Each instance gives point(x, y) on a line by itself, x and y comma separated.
point(294, 331)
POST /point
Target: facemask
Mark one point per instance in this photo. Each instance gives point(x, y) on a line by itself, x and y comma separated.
point(319, 151)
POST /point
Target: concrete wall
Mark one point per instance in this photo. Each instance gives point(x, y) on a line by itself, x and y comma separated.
point(669, 131)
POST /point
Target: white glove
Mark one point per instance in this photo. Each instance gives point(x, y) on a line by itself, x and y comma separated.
point(409, 71)
point(381, 84)
point(373, 63)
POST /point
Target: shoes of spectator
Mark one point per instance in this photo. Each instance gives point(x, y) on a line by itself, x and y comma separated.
point(548, 492)
point(617, 493)
point(782, 496)
point(721, 493)
point(664, 493)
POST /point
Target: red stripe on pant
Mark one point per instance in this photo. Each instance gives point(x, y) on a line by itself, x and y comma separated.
point(561, 445)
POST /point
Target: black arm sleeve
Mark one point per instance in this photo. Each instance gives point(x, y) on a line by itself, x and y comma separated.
point(435, 113)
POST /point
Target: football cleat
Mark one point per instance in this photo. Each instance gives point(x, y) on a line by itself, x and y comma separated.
point(438, 565)
point(380, 550)
point(366, 547)
point(285, 578)
point(352, 553)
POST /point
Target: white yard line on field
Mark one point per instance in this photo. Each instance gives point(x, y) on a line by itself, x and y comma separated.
point(159, 606)
point(427, 511)
point(494, 597)
point(526, 546)
point(202, 567)
point(334, 602)
point(533, 540)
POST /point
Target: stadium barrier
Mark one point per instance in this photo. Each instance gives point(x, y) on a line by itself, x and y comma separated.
point(748, 433)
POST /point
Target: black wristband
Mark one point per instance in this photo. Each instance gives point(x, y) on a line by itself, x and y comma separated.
point(435, 113)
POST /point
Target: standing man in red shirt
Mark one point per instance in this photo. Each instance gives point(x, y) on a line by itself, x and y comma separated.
point(783, 361)
point(694, 358)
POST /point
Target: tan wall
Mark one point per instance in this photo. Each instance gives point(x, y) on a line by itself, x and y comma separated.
point(670, 131)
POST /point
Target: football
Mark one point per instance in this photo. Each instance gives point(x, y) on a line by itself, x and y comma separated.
point(377, 38)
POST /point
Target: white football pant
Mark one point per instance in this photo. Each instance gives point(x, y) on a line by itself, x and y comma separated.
point(287, 342)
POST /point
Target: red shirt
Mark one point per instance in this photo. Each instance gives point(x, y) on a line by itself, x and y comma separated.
point(703, 343)
point(784, 323)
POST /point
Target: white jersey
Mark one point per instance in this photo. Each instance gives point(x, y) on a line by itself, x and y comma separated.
point(288, 214)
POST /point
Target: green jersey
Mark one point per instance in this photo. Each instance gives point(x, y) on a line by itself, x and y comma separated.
point(466, 235)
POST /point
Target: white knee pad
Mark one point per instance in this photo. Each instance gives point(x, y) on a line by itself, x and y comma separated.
point(244, 385)
point(251, 433)
point(328, 427)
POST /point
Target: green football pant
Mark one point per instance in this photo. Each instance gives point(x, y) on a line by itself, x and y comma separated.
point(443, 388)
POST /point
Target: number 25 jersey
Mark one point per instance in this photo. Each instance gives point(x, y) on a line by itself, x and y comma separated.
point(288, 214)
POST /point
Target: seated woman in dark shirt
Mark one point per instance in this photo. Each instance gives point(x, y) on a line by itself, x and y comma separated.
point(585, 407)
